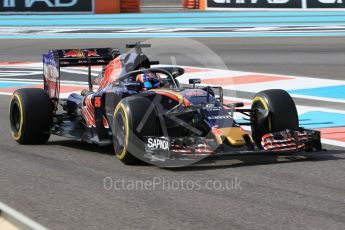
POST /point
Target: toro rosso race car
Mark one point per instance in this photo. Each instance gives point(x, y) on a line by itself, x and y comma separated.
point(146, 114)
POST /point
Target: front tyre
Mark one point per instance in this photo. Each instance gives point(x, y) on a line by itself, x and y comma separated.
point(30, 116)
point(134, 118)
point(282, 113)
point(121, 135)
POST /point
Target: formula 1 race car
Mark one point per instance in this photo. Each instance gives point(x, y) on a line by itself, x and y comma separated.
point(146, 114)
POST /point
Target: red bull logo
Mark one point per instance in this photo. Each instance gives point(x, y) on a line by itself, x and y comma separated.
point(80, 54)
point(91, 53)
point(73, 53)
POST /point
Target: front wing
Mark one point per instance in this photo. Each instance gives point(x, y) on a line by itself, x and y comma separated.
point(286, 142)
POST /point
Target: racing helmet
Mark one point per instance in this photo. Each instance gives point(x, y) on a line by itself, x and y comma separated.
point(149, 80)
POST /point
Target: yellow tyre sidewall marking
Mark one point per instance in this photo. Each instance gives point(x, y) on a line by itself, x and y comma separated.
point(123, 153)
point(19, 134)
point(264, 103)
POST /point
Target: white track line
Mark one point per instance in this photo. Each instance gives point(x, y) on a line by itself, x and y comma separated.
point(18, 219)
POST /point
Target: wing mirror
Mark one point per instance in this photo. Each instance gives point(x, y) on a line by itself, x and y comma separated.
point(194, 81)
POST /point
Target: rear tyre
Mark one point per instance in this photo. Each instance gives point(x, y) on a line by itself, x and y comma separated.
point(134, 118)
point(282, 113)
point(30, 116)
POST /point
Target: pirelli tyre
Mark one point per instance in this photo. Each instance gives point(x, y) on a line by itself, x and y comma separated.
point(30, 116)
point(134, 118)
point(282, 113)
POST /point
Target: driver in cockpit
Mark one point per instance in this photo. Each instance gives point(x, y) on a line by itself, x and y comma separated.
point(149, 80)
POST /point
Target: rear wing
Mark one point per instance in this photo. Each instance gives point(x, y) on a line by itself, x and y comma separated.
point(83, 57)
point(55, 59)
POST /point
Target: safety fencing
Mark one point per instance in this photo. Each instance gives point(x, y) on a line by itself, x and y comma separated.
point(134, 6)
